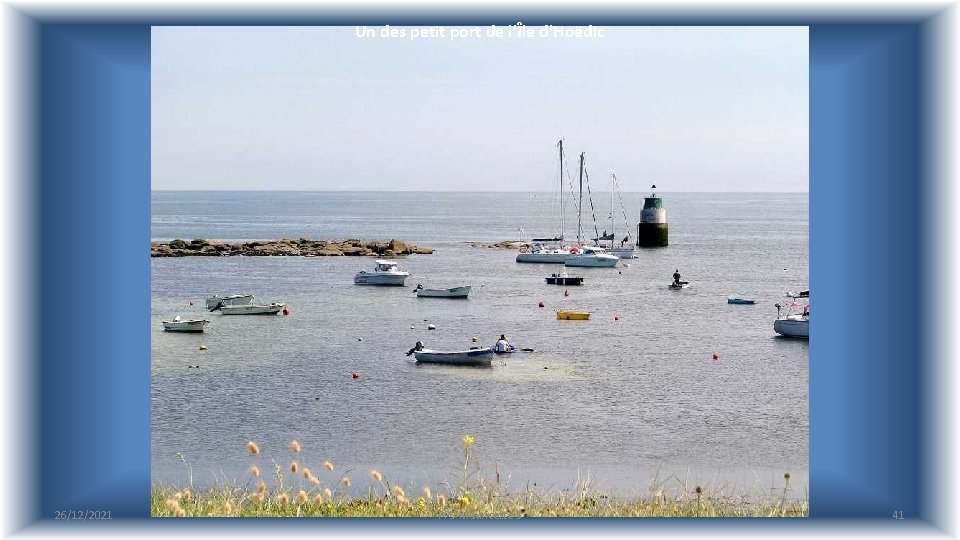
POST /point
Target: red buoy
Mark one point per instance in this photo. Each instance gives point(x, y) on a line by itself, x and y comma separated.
point(541, 303)
point(616, 317)
point(355, 374)
point(286, 310)
point(716, 356)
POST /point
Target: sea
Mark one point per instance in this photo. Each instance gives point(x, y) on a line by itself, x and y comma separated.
point(659, 389)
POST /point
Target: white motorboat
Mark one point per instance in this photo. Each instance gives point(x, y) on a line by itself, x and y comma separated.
point(797, 326)
point(231, 300)
point(589, 256)
point(384, 273)
point(184, 325)
point(252, 309)
point(455, 292)
point(792, 324)
point(470, 357)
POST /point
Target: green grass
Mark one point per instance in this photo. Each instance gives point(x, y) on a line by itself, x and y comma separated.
point(306, 494)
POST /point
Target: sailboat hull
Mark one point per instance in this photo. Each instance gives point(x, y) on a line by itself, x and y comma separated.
point(597, 260)
point(543, 257)
point(622, 253)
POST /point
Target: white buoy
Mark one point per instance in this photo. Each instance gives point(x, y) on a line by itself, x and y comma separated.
point(431, 326)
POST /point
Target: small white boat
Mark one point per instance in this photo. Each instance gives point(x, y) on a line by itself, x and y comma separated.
point(678, 286)
point(797, 326)
point(184, 325)
point(470, 357)
point(455, 292)
point(791, 324)
point(231, 300)
point(384, 273)
point(252, 309)
point(588, 256)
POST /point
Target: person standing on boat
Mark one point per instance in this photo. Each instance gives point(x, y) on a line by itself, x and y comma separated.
point(676, 277)
point(502, 346)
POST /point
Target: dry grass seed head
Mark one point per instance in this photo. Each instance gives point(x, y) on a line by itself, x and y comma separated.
point(253, 448)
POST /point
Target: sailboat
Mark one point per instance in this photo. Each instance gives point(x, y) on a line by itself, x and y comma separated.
point(540, 250)
point(587, 255)
point(621, 252)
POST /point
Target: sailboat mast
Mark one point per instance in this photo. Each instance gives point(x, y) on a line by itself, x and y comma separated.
point(580, 205)
point(613, 184)
point(560, 144)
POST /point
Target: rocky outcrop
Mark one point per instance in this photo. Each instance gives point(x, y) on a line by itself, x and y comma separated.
point(503, 244)
point(286, 247)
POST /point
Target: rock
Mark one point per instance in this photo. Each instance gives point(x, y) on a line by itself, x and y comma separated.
point(398, 246)
point(285, 247)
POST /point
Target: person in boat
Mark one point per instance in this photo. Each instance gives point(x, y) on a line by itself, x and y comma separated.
point(676, 277)
point(417, 347)
point(502, 345)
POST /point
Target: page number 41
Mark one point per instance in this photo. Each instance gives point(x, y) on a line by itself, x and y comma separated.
point(898, 514)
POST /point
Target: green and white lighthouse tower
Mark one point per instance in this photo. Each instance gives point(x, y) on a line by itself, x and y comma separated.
point(652, 231)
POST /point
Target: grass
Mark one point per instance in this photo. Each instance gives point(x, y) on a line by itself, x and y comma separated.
point(326, 493)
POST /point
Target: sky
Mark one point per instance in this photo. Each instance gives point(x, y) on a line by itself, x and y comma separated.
point(321, 108)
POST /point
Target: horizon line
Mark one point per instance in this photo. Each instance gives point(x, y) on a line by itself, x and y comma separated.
point(428, 191)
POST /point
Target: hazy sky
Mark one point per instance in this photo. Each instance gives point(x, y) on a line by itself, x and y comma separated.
point(318, 108)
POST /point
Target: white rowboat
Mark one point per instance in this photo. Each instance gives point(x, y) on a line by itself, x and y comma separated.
point(184, 325)
point(455, 292)
point(252, 309)
point(470, 357)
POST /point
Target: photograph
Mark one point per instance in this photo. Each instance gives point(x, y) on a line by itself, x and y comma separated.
point(488, 271)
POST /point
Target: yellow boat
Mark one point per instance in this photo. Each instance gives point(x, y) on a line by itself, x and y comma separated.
point(573, 315)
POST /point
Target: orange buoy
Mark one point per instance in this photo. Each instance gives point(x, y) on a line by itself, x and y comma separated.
point(203, 347)
point(355, 374)
point(541, 303)
point(286, 310)
point(716, 356)
point(616, 317)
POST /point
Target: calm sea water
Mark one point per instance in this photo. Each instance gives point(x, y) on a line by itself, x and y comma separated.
point(621, 402)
